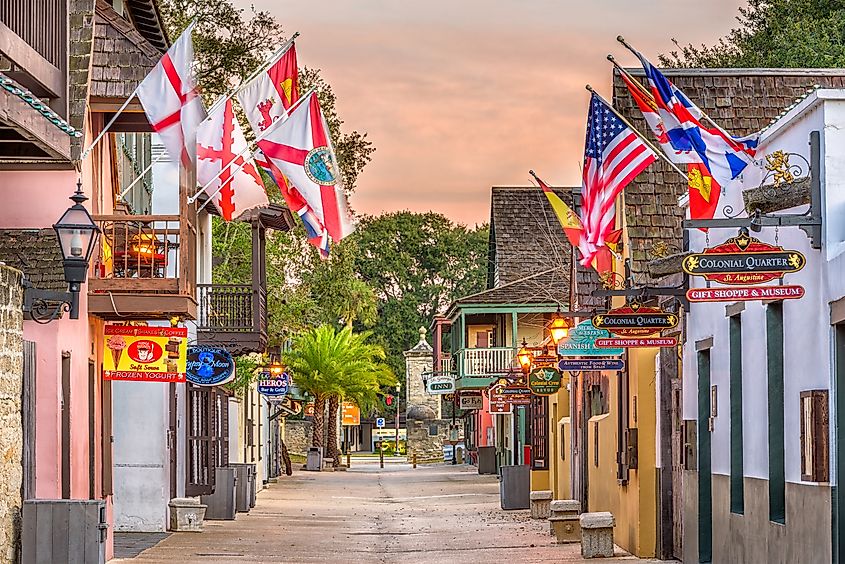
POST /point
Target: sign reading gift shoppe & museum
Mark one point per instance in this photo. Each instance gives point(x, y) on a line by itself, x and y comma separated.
point(634, 320)
point(145, 354)
point(745, 293)
point(743, 260)
point(209, 366)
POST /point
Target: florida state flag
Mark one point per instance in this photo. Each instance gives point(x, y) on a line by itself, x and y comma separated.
point(704, 192)
point(267, 97)
point(300, 148)
point(171, 102)
point(235, 188)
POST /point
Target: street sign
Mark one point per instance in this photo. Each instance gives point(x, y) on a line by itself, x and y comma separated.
point(635, 320)
point(544, 381)
point(638, 343)
point(471, 400)
point(209, 366)
point(588, 364)
point(744, 260)
point(350, 414)
point(380, 422)
point(745, 293)
point(273, 385)
point(439, 384)
point(582, 342)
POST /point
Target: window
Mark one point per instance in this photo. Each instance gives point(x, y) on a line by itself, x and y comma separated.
point(737, 489)
point(539, 432)
point(774, 365)
point(815, 424)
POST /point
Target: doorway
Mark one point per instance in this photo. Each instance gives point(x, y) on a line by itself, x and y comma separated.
point(705, 499)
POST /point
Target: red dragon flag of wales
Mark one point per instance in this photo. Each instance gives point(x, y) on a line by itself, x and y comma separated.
point(300, 148)
point(238, 187)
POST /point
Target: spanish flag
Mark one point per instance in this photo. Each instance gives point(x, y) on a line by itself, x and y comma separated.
point(704, 192)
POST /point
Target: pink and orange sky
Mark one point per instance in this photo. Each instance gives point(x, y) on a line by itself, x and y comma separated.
point(461, 95)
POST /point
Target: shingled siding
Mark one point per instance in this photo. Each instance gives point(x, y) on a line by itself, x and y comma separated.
point(740, 100)
point(36, 253)
point(525, 236)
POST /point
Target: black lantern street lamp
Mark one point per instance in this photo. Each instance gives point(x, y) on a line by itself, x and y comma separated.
point(77, 234)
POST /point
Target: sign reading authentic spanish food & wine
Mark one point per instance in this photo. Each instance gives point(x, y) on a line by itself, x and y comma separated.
point(588, 364)
point(582, 342)
point(744, 260)
point(273, 384)
point(209, 366)
point(145, 354)
point(745, 293)
point(635, 320)
point(544, 381)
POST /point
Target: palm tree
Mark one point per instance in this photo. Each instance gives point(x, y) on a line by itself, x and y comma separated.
point(329, 365)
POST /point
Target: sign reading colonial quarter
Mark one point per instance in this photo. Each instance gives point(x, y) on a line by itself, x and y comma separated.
point(209, 366)
point(440, 384)
point(582, 342)
point(514, 394)
point(635, 320)
point(470, 400)
point(588, 364)
point(273, 385)
point(544, 381)
point(145, 354)
point(745, 293)
point(638, 343)
point(744, 260)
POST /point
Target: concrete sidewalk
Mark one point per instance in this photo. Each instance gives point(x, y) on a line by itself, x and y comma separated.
point(430, 514)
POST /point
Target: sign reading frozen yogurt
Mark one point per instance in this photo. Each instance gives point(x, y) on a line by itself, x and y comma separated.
point(145, 354)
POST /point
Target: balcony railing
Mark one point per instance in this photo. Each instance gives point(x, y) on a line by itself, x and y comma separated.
point(486, 363)
point(446, 363)
point(234, 315)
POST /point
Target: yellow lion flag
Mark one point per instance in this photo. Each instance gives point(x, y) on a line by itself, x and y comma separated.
point(570, 222)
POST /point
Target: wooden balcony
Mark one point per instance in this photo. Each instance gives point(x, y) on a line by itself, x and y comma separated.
point(233, 316)
point(144, 268)
point(477, 368)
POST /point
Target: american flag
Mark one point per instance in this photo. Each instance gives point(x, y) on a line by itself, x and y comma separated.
point(613, 156)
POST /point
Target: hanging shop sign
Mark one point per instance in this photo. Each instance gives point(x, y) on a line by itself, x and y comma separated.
point(545, 360)
point(145, 354)
point(439, 384)
point(274, 385)
point(501, 408)
point(309, 409)
point(286, 404)
point(635, 320)
point(470, 400)
point(638, 343)
point(544, 381)
point(582, 342)
point(590, 364)
point(350, 414)
point(745, 293)
point(514, 394)
point(209, 366)
point(744, 260)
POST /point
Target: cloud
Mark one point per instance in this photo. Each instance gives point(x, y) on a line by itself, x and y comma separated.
point(462, 95)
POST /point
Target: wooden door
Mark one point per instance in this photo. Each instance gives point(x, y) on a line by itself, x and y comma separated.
point(677, 468)
point(201, 422)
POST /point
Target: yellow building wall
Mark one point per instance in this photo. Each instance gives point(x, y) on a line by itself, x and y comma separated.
point(560, 435)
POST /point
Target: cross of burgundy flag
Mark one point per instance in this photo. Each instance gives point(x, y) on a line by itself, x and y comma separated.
point(219, 139)
point(300, 150)
point(171, 102)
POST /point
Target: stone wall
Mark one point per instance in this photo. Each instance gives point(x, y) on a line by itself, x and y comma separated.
point(11, 430)
point(298, 436)
point(426, 446)
point(418, 361)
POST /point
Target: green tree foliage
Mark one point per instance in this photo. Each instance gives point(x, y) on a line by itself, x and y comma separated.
point(774, 33)
point(417, 264)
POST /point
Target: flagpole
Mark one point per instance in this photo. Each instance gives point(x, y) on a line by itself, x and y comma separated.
point(657, 151)
point(264, 133)
point(621, 40)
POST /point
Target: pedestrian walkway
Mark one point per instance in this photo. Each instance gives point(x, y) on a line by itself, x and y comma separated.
point(430, 514)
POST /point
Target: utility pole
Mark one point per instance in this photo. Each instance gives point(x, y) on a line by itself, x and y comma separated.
point(398, 389)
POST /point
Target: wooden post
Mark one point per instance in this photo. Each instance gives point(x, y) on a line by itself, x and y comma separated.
point(348, 459)
point(380, 456)
point(414, 458)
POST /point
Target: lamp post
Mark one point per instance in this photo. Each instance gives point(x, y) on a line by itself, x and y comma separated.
point(398, 389)
point(77, 235)
point(524, 357)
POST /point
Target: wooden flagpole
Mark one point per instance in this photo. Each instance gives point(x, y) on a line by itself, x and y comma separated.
point(659, 152)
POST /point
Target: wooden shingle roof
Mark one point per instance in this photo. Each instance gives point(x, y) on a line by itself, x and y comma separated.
point(122, 56)
point(36, 253)
point(740, 100)
point(547, 287)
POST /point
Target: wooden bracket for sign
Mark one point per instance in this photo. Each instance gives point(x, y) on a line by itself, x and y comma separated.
point(810, 222)
point(643, 291)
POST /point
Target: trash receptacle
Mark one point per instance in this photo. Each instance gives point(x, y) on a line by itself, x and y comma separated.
point(515, 487)
point(241, 487)
point(221, 503)
point(486, 460)
point(314, 460)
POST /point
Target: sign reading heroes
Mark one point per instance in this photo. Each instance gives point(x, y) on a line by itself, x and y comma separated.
point(635, 320)
point(145, 354)
point(743, 260)
point(544, 381)
point(209, 366)
point(582, 342)
point(273, 385)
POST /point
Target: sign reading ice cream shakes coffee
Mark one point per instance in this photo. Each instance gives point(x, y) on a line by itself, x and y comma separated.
point(744, 260)
point(635, 320)
point(145, 354)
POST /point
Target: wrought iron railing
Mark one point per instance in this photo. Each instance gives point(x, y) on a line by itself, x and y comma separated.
point(237, 308)
point(487, 362)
